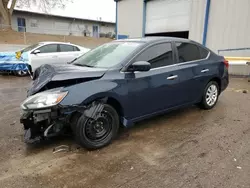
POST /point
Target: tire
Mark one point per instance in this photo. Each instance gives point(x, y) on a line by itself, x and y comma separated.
point(210, 96)
point(21, 73)
point(95, 134)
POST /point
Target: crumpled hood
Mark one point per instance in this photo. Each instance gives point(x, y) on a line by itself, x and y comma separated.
point(64, 72)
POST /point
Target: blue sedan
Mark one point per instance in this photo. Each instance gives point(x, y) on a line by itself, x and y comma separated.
point(118, 84)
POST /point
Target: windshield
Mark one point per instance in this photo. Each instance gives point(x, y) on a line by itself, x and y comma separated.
point(107, 55)
point(30, 48)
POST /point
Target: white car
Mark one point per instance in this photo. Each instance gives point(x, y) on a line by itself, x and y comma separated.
point(51, 53)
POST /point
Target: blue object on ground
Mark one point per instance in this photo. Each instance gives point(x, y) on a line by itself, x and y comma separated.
point(13, 61)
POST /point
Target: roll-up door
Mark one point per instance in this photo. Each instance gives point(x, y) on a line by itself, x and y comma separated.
point(167, 16)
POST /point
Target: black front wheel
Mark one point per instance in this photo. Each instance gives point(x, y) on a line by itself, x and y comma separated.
point(96, 133)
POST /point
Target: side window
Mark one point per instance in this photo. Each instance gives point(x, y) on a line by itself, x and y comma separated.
point(158, 55)
point(76, 49)
point(188, 52)
point(203, 52)
point(50, 48)
point(66, 48)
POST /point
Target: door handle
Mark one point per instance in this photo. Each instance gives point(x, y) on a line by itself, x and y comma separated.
point(172, 77)
point(204, 70)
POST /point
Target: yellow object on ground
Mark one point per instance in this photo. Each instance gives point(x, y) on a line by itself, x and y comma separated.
point(18, 54)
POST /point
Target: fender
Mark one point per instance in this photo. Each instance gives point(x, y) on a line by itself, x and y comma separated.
point(84, 93)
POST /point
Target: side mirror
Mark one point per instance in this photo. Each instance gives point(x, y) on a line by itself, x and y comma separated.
point(36, 52)
point(141, 66)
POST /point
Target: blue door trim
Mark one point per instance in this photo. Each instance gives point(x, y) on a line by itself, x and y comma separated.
point(116, 19)
point(144, 18)
point(122, 36)
point(204, 40)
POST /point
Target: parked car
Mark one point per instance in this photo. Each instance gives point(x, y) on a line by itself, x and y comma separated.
point(39, 54)
point(119, 84)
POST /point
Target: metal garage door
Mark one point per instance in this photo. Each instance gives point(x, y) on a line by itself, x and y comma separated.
point(167, 16)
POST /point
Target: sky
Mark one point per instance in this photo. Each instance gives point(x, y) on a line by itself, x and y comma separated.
point(85, 9)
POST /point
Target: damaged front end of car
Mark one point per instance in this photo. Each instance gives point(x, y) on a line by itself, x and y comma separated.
point(44, 117)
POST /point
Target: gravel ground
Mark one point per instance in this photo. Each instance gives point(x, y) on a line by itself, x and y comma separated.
point(185, 148)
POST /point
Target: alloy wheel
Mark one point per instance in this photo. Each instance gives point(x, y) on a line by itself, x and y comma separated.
point(211, 95)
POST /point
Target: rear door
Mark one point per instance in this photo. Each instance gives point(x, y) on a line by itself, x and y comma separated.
point(68, 53)
point(195, 69)
point(156, 90)
point(48, 55)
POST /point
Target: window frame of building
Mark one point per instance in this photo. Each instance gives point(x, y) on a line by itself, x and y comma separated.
point(21, 24)
point(33, 23)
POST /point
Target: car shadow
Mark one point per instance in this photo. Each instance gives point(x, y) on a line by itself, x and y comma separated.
point(159, 122)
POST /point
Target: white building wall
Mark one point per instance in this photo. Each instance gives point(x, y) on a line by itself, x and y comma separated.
point(60, 26)
point(130, 18)
point(106, 28)
point(229, 25)
point(197, 20)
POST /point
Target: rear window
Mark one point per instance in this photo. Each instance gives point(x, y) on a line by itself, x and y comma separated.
point(66, 48)
point(190, 52)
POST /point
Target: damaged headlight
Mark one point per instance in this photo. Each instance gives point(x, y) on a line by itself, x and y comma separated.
point(43, 100)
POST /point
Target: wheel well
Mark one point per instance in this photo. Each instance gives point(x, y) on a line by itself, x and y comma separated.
point(111, 101)
point(116, 105)
point(218, 82)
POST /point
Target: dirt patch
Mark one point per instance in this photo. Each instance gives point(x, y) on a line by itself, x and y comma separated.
point(185, 148)
point(13, 37)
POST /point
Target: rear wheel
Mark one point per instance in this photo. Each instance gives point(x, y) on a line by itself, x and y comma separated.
point(210, 95)
point(96, 133)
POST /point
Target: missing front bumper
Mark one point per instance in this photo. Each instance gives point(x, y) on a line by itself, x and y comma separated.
point(41, 124)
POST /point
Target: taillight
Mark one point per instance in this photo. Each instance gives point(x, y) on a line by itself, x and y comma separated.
point(226, 63)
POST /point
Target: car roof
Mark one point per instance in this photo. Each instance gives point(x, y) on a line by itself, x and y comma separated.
point(154, 39)
point(54, 42)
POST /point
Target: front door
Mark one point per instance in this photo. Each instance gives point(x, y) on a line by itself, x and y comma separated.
point(95, 31)
point(156, 90)
point(48, 55)
point(21, 23)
